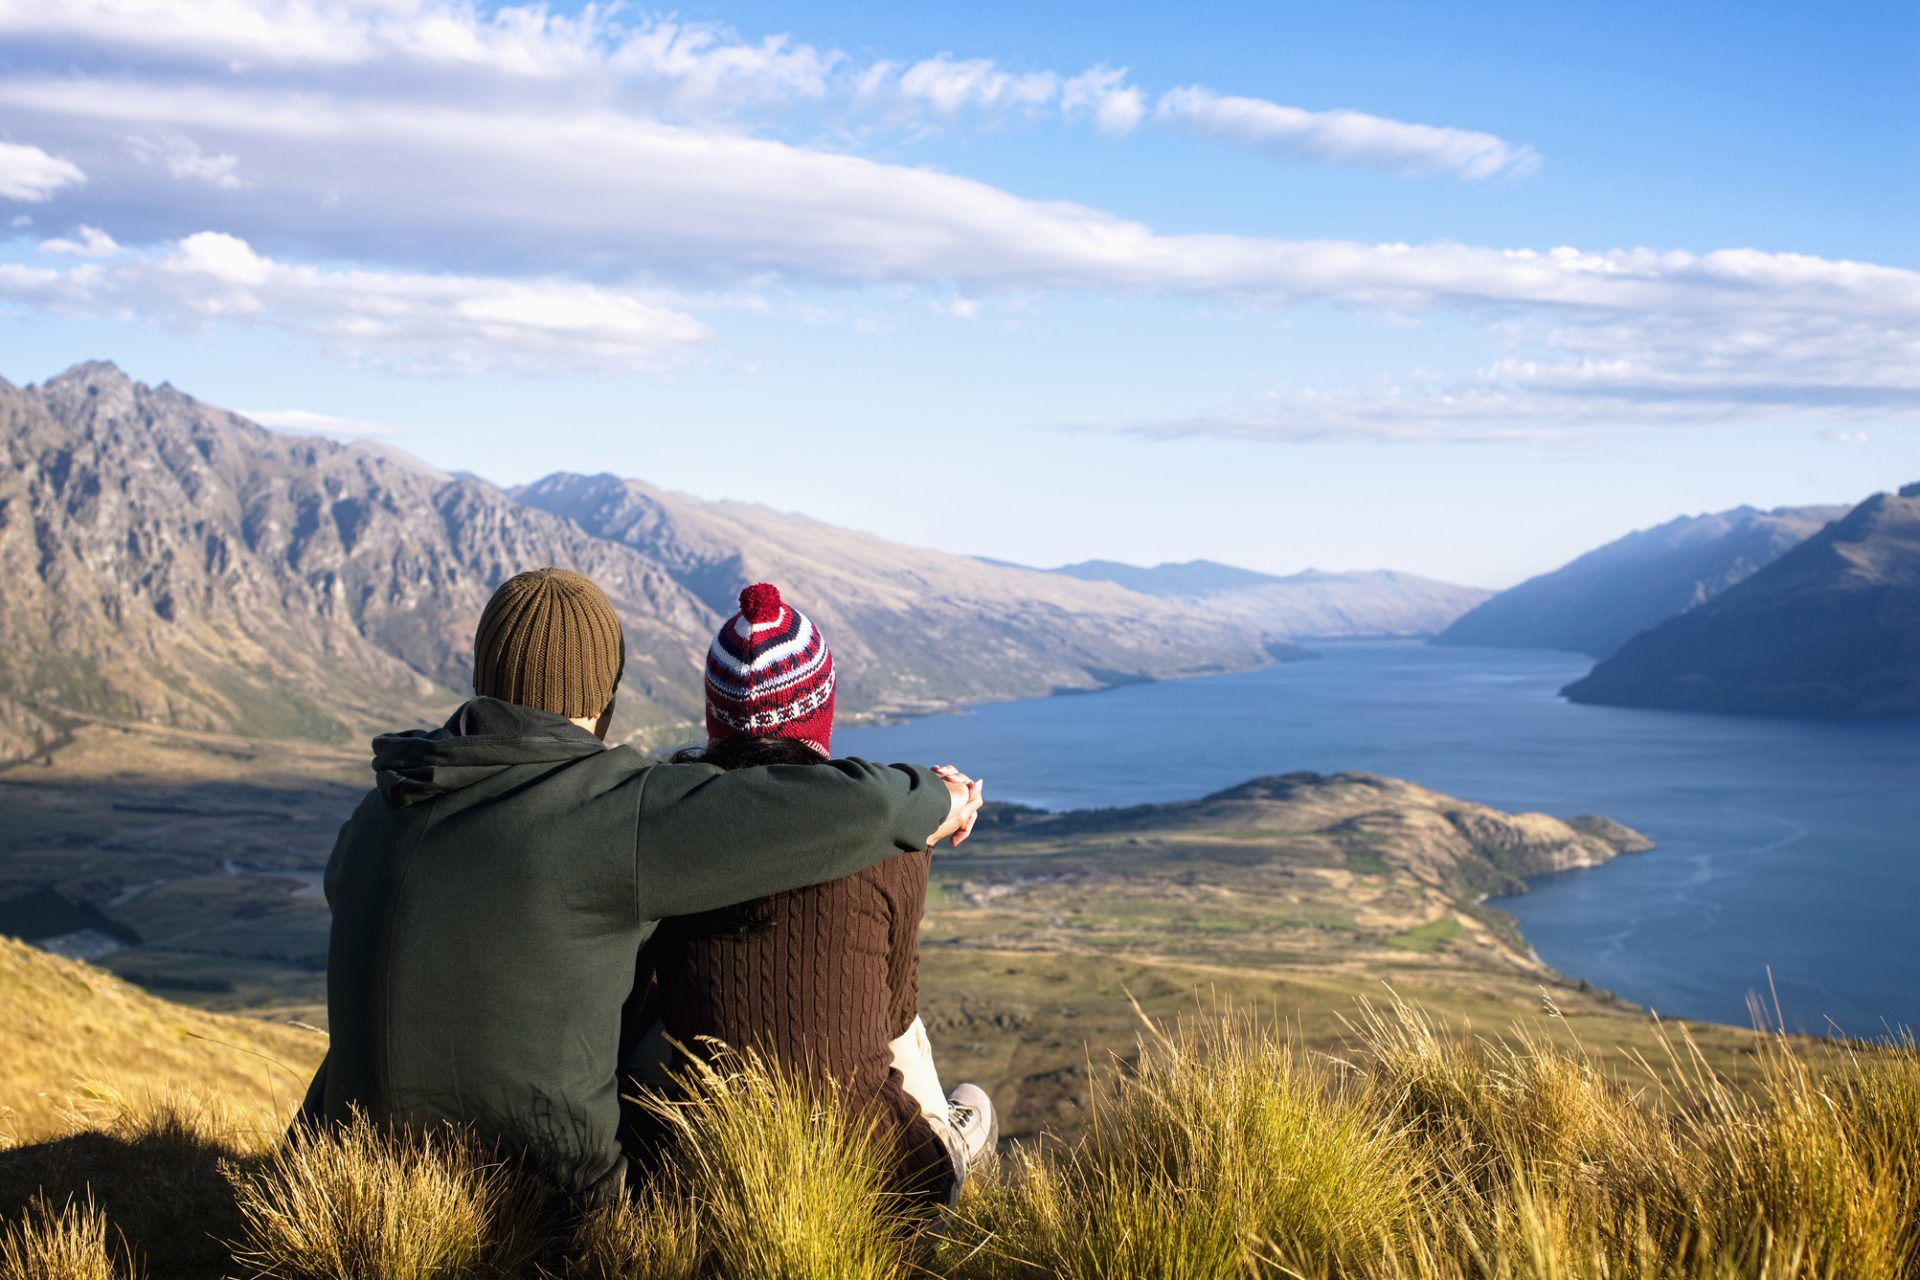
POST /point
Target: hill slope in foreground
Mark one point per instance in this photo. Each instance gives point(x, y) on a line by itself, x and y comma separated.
point(76, 1034)
point(1304, 1135)
point(1295, 896)
point(1598, 602)
point(1831, 627)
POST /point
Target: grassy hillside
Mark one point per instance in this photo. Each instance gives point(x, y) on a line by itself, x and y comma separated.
point(1297, 896)
point(76, 1036)
point(1225, 1150)
point(1175, 1006)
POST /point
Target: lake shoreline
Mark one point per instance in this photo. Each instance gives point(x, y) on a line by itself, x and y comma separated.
point(1780, 838)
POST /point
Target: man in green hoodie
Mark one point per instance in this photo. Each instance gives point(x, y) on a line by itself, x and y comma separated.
point(491, 893)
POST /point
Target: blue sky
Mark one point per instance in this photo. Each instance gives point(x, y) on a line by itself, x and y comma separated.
point(1460, 290)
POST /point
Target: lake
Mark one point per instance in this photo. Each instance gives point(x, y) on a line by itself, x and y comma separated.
point(1787, 845)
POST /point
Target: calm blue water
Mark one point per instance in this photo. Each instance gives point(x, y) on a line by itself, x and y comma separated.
point(1793, 844)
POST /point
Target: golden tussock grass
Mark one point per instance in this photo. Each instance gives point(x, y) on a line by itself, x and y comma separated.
point(1224, 1151)
point(67, 1022)
point(67, 1243)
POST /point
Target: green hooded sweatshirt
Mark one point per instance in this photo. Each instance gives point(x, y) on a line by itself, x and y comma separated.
point(490, 896)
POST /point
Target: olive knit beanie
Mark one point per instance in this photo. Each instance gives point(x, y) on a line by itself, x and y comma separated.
point(550, 640)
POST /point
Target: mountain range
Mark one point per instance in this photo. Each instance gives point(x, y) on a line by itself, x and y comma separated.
point(172, 562)
point(1302, 606)
point(1832, 626)
point(1598, 602)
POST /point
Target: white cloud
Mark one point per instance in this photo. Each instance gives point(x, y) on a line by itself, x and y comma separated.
point(1103, 94)
point(946, 87)
point(304, 422)
point(1345, 137)
point(86, 242)
point(574, 191)
point(705, 72)
point(182, 158)
point(413, 322)
point(518, 170)
point(31, 175)
point(1653, 369)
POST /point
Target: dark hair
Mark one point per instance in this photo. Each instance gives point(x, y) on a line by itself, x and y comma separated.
point(736, 753)
point(745, 753)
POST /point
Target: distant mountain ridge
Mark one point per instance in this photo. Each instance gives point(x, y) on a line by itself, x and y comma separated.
point(1191, 578)
point(911, 629)
point(1598, 602)
point(1311, 605)
point(170, 561)
point(1831, 627)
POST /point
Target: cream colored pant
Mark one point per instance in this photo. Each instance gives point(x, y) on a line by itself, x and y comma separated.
point(913, 1059)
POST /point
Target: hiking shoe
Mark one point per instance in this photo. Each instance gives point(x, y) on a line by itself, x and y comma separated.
point(970, 1112)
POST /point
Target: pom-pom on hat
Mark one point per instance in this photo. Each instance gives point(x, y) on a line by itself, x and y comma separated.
point(769, 674)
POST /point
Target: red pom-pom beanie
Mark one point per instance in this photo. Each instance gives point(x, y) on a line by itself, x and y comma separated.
point(769, 674)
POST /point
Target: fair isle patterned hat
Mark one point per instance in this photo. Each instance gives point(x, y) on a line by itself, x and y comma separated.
point(769, 674)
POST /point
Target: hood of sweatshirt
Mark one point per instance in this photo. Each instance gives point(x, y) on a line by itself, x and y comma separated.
point(477, 741)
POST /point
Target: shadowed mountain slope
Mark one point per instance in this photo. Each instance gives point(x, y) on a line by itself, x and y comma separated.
point(911, 629)
point(1596, 603)
point(1831, 627)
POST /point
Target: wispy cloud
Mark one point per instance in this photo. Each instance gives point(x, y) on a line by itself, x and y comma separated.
point(586, 191)
point(305, 422)
point(1592, 374)
point(702, 73)
point(85, 242)
point(182, 157)
point(1343, 137)
point(521, 185)
point(950, 90)
point(413, 322)
point(33, 176)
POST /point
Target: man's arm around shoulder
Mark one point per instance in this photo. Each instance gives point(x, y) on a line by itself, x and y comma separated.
point(709, 837)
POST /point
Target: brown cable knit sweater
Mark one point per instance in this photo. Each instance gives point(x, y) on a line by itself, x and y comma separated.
point(819, 980)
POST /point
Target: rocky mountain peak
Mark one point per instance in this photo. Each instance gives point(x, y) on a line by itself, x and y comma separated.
point(91, 372)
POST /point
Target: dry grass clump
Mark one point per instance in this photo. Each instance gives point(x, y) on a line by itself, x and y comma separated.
point(1436, 1158)
point(68, 1243)
point(764, 1176)
point(655, 1236)
point(1225, 1153)
point(369, 1203)
point(152, 1166)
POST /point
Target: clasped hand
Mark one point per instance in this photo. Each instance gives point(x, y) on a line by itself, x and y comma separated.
point(965, 796)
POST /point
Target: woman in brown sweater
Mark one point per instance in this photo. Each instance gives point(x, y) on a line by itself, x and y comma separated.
point(822, 981)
